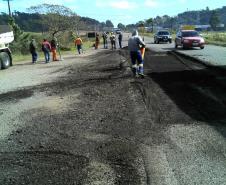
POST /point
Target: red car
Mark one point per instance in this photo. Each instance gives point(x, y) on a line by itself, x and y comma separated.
point(189, 39)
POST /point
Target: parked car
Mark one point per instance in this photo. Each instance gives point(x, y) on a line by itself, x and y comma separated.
point(162, 36)
point(189, 39)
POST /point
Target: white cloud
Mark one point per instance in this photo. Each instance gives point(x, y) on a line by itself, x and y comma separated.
point(123, 5)
point(117, 4)
point(151, 3)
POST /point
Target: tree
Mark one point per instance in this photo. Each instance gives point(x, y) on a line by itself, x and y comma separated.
point(109, 24)
point(121, 26)
point(16, 29)
point(150, 22)
point(214, 20)
point(140, 24)
point(56, 18)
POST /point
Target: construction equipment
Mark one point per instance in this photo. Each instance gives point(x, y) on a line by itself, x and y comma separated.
point(6, 37)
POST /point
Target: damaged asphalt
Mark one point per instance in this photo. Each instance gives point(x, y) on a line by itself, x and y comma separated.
point(87, 121)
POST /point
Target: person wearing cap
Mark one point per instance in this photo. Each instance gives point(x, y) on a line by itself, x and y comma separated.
point(33, 51)
point(135, 44)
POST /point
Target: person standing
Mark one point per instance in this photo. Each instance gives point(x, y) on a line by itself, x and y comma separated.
point(78, 44)
point(120, 40)
point(53, 49)
point(135, 43)
point(112, 38)
point(46, 48)
point(97, 41)
point(105, 40)
point(33, 51)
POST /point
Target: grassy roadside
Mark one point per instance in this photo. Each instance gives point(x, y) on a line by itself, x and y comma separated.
point(17, 57)
point(218, 38)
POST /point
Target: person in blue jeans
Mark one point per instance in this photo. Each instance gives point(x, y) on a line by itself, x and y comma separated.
point(135, 43)
point(120, 40)
point(33, 51)
point(46, 48)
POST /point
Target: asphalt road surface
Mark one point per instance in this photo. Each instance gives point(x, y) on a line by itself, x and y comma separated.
point(87, 121)
point(210, 55)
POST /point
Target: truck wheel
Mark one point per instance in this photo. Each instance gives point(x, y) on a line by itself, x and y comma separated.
point(4, 60)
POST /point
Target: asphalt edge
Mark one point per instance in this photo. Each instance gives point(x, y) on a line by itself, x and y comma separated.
point(196, 60)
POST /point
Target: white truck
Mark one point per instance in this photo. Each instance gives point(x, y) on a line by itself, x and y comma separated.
point(6, 37)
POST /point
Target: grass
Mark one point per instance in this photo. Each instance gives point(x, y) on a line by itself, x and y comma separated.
point(87, 44)
point(215, 38)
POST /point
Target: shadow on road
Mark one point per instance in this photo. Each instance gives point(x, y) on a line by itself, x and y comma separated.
point(196, 90)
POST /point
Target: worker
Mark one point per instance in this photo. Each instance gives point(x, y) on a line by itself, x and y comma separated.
point(120, 39)
point(78, 44)
point(105, 40)
point(97, 41)
point(135, 43)
point(33, 51)
point(53, 44)
point(46, 48)
point(112, 39)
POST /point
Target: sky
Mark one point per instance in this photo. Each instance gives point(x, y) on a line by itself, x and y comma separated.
point(119, 11)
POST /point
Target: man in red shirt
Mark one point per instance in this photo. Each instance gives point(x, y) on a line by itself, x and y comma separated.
point(46, 48)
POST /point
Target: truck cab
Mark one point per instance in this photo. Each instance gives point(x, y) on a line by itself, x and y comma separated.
point(6, 37)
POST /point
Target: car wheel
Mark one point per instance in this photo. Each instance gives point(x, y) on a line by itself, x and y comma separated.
point(170, 41)
point(183, 46)
point(158, 41)
point(202, 47)
point(4, 60)
point(176, 45)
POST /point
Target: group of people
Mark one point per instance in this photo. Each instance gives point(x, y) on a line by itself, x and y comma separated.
point(112, 38)
point(135, 45)
point(78, 41)
point(47, 47)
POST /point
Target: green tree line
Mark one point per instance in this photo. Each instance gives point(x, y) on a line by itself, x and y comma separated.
point(200, 17)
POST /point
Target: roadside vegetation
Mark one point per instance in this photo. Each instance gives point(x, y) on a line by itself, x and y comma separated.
point(65, 41)
point(58, 22)
point(215, 38)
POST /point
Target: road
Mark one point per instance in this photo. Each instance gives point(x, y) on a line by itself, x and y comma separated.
point(210, 55)
point(87, 121)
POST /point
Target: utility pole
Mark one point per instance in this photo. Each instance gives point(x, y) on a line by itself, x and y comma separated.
point(10, 14)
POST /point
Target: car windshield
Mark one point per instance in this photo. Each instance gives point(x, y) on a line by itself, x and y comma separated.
point(163, 33)
point(190, 34)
